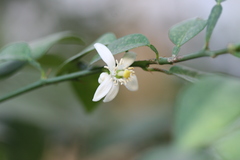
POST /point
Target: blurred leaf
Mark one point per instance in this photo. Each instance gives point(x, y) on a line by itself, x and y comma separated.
point(237, 54)
point(16, 55)
point(219, 1)
point(187, 73)
point(3, 154)
point(51, 60)
point(104, 39)
point(124, 44)
point(12, 57)
point(15, 51)
point(205, 110)
point(26, 142)
point(228, 146)
point(234, 49)
point(41, 46)
point(85, 89)
point(212, 20)
point(171, 153)
point(186, 30)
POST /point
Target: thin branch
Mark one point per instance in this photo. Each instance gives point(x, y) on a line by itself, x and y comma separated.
point(142, 64)
point(49, 81)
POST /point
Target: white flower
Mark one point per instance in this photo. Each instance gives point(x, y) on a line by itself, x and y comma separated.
point(119, 73)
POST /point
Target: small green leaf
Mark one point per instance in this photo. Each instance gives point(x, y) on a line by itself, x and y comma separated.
point(13, 57)
point(104, 39)
point(40, 47)
point(38, 67)
point(212, 20)
point(152, 47)
point(205, 110)
point(124, 44)
point(187, 73)
point(186, 30)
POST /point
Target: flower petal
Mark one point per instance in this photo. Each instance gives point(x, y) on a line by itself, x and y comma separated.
point(102, 77)
point(112, 93)
point(103, 88)
point(132, 85)
point(128, 59)
point(106, 55)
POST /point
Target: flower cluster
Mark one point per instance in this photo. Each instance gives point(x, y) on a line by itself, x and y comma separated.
point(119, 73)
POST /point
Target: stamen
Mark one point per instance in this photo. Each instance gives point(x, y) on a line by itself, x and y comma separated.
point(121, 61)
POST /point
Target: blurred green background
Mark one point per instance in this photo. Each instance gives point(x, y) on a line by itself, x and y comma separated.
point(51, 124)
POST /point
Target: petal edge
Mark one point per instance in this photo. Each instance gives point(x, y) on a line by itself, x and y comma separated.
point(103, 89)
point(105, 54)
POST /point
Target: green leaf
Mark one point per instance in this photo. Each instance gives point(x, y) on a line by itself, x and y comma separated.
point(15, 51)
point(85, 89)
point(16, 55)
point(186, 30)
point(175, 50)
point(236, 54)
point(234, 49)
point(220, 1)
point(3, 153)
point(104, 39)
point(187, 73)
point(227, 146)
point(205, 110)
point(212, 20)
point(26, 142)
point(152, 47)
point(41, 46)
point(51, 60)
point(180, 33)
point(13, 57)
point(124, 44)
point(172, 153)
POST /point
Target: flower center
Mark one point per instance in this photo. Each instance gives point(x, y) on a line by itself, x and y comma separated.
point(118, 75)
point(126, 73)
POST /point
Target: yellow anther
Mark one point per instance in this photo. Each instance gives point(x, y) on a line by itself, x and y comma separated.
point(126, 73)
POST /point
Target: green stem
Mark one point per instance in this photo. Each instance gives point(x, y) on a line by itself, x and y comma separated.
point(202, 53)
point(45, 82)
point(171, 60)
